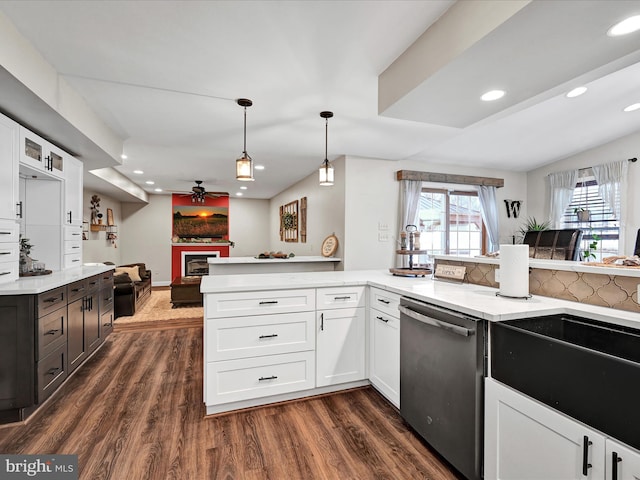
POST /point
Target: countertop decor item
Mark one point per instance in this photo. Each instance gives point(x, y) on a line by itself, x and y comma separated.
point(329, 245)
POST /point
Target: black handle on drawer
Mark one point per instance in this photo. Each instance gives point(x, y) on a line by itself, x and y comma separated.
point(5, 253)
point(52, 300)
point(76, 290)
point(382, 300)
point(268, 302)
point(273, 335)
point(585, 455)
point(385, 320)
point(614, 465)
point(52, 371)
point(347, 297)
point(272, 377)
point(5, 273)
point(75, 247)
point(52, 332)
point(5, 233)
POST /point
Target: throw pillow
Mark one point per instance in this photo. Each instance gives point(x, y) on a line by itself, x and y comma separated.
point(121, 278)
point(134, 272)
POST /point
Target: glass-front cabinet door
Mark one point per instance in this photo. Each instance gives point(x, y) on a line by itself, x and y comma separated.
point(40, 155)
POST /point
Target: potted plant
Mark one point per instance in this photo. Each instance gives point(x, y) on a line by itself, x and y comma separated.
point(25, 260)
point(582, 213)
point(533, 225)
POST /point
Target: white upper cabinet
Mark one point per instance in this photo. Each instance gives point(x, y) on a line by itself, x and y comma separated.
point(40, 155)
point(73, 192)
point(9, 138)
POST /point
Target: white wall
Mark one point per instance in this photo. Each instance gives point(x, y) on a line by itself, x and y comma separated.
point(96, 248)
point(248, 226)
point(325, 214)
point(621, 149)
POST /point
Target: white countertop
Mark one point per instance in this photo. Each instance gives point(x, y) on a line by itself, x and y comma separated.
point(467, 298)
point(564, 265)
point(42, 283)
point(245, 260)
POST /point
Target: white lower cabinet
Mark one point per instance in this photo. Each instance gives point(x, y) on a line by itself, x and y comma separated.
point(530, 441)
point(384, 344)
point(340, 337)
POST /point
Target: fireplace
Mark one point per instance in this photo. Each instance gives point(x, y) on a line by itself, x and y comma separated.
point(195, 262)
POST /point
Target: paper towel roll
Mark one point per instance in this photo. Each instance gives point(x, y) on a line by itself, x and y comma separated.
point(514, 270)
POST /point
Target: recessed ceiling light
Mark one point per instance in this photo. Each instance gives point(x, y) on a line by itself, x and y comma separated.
point(138, 172)
point(123, 156)
point(258, 167)
point(157, 189)
point(576, 92)
point(492, 95)
point(626, 26)
point(150, 182)
point(239, 194)
point(632, 108)
point(243, 188)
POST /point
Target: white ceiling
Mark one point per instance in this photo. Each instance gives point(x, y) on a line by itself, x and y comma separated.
point(297, 58)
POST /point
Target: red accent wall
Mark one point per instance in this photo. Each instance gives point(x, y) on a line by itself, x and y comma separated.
point(176, 250)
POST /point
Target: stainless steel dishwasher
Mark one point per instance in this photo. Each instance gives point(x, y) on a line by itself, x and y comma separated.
point(442, 365)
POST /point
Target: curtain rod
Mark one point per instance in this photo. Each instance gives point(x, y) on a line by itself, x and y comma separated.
point(632, 160)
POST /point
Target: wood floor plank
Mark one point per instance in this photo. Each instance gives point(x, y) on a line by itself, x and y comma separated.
point(135, 411)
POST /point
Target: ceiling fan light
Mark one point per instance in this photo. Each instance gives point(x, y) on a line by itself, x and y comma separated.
point(326, 174)
point(244, 168)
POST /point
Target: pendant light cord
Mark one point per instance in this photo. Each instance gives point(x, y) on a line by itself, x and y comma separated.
point(326, 139)
point(245, 132)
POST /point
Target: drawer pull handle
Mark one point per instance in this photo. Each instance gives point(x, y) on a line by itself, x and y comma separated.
point(5, 253)
point(5, 273)
point(347, 297)
point(106, 324)
point(5, 233)
point(75, 234)
point(52, 332)
point(273, 335)
point(385, 320)
point(52, 371)
point(77, 289)
point(382, 300)
point(52, 300)
point(585, 455)
point(268, 302)
point(272, 377)
point(75, 247)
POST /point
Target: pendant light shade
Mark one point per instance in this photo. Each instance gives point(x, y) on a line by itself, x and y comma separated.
point(326, 169)
point(244, 164)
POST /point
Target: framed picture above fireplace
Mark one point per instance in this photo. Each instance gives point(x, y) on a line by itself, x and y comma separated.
point(200, 221)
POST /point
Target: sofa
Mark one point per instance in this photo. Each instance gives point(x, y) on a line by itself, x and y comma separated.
point(132, 288)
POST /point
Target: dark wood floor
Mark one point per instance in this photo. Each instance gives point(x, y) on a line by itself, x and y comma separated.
point(135, 412)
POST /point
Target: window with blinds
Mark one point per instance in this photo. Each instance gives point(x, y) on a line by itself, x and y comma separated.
point(601, 223)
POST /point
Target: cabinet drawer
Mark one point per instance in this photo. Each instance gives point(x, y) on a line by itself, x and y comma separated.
point(106, 299)
point(9, 232)
point(72, 233)
point(106, 279)
point(93, 283)
point(72, 246)
point(384, 301)
point(52, 331)
point(248, 378)
point(51, 300)
point(241, 337)
point(9, 271)
point(106, 323)
point(219, 305)
point(52, 370)
point(77, 290)
point(341, 297)
point(9, 252)
point(72, 260)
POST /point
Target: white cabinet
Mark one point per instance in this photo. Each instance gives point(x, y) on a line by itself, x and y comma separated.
point(622, 463)
point(256, 345)
point(72, 244)
point(340, 336)
point(39, 155)
point(384, 343)
point(9, 250)
point(73, 176)
point(527, 440)
point(9, 137)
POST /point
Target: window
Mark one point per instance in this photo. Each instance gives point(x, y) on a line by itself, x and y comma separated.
point(600, 224)
point(451, 222)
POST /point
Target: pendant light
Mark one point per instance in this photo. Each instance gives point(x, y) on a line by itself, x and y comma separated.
point(244, 164)
point(326, 169)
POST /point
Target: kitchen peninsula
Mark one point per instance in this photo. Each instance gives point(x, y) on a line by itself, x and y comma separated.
point(236, 265)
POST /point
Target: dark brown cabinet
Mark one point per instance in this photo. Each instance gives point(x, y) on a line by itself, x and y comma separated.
point(45, 337)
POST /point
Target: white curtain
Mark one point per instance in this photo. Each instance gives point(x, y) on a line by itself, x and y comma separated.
point(489, 210)
point(409, 199)
point(612, 183)
point(562, 185)
point(410, 191)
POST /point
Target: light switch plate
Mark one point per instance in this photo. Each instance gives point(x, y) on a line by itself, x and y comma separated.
point(383, 226)
point(383, 237)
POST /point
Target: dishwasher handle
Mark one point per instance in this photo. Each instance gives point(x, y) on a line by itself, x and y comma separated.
point(458, 330)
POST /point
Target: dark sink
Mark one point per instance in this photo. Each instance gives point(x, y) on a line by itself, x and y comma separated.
point(587, 369)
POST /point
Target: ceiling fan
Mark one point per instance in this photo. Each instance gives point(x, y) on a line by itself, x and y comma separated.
point(199, 194)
